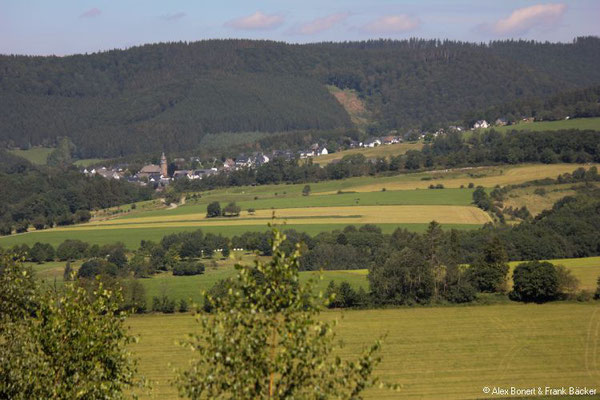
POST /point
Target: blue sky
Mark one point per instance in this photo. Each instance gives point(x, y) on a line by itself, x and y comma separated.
point(78, 26)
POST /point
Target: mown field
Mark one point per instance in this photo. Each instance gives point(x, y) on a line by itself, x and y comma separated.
point(576, 123)
point(434, 353)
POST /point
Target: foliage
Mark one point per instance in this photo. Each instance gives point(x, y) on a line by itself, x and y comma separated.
point(61, 344)
point(488, 273)
point(535, 281)
point(43, 197)
point(187, 268)
point(263, 340)
point(163, 304)
point(306, 190)
point(231, 210)
point(264, 86)
point(213, 210)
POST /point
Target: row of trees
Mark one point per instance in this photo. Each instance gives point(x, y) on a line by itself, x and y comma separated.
point(446, 151)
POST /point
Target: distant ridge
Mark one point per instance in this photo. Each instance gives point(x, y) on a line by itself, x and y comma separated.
point(169, 96)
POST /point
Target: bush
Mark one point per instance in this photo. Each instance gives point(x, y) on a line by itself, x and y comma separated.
point(462, 292)
point(183, 306)
point(471, 185)
point(232, 210)
point(213, 210)
point(188, 268)
point(163, 304)
point(306, 190)
point(71, 249)
point(41, 252)
point(535, 281)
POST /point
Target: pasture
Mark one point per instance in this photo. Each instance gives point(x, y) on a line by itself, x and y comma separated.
point(385, 151)
point(434, 353)
point(576, 123)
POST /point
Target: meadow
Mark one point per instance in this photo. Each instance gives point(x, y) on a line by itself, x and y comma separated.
point(434, 353)
point(575, 123)
point(385, 151)
point(35, 155)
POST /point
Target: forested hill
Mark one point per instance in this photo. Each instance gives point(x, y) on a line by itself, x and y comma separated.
point(168, 96)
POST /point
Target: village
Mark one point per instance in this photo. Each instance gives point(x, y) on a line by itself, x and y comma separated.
point(159, 176)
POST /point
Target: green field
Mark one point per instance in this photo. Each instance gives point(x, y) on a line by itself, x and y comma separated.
point(576, 123)
point(434, 353)
point(294, 200)
point(36, 155)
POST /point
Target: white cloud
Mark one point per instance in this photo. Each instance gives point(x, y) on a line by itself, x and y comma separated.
point(258, 20)
point(393, 24)
point(524, 19)
point(91, 13)
point(321, 24)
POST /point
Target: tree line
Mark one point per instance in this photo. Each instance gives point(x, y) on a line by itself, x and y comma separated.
point(446, 151)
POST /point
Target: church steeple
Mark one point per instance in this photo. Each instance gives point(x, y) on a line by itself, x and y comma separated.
point(163, 165)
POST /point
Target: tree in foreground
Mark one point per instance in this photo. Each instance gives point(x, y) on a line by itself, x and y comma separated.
point(535, 281)
point(263, 340)
point(60, 344)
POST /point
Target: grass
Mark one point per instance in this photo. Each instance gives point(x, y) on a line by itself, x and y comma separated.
point(454, 197)
point(310, 215)
point(536, 203)
point(131, 237)
point(434, 353)
point(575, 123)
point(385, 151)
point(35, 155)
point(86, 162)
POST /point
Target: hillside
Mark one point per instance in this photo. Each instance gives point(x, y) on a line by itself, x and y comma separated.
point(169, 96)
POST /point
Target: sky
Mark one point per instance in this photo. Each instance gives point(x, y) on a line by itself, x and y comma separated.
point(62, 27)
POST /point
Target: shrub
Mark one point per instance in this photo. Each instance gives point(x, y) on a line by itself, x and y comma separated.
point(163, 304)
point(471, 185)
point(462, 292)
point(188, 268)
point(183, 306)
point(232, 210)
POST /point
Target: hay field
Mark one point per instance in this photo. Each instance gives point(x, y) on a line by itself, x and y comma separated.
point(434, 353)
point(479, 176)
point(35, 155)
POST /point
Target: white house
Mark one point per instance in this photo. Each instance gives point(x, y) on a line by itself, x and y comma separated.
point(481, 124)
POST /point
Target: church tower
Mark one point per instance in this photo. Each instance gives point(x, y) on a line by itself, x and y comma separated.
point(163, 165)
